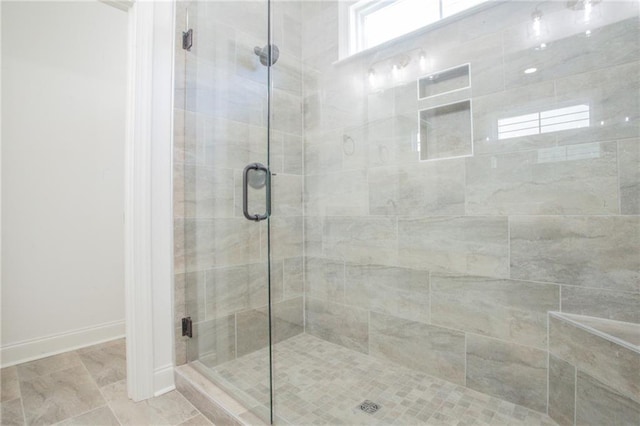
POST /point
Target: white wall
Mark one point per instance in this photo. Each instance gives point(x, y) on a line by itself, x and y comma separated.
point(64, 71)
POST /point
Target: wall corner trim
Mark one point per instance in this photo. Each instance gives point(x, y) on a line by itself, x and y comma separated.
point(148, 277)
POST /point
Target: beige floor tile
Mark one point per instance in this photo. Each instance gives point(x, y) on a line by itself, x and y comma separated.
point(168, 409)
point(58, 396)
point(99, 417)
point(44, 366)
point(9, 388)
point(11, 413)
point(107, 364)
point(198, 420)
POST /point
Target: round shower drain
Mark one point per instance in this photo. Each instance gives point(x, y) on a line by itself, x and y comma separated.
point(369, 407)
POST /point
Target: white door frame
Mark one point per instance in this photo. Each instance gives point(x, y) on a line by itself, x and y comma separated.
point(148, 198)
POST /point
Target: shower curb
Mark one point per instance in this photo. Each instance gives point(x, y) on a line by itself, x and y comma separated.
point(214, 403)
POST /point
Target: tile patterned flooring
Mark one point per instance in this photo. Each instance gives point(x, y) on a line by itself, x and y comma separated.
point(317, 382)
point(85, 387)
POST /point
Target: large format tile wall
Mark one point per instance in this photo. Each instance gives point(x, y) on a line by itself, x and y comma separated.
point(221, 126)
point(450, 266)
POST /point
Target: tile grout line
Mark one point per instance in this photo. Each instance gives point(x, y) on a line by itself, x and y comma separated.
point(106, 401)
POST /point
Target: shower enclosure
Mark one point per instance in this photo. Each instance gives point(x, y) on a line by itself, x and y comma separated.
point(437, 228)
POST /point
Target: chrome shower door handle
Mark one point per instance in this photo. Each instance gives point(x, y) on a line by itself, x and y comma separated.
point(257, 185)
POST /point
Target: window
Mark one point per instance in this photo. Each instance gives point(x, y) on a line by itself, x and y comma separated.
point(372, 22)
point(554, 120)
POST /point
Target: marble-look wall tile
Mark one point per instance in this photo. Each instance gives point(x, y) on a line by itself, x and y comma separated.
point(288, 318)
point(323, 152)
point(179, 250)
point(361, 239)
point(578, 179)
point(220, 242)
point(612, 97)
point(434, 350)
point(562, 382)
point(178, 188)
point(276, 280)
point(189, 296)
point(233, 289)
point(376, 143)
point(515, 311)
point(430, 188)
point(629, 164)
point(324, 279)
point(207, 192)
point(253, 325)
point(285, 237)
point(607, 46)
point(252, 331)
point(287, 76)
point(607, 304)
point(614, 365)
point(627, 332)
point(337, 194)
point(401, 292)
point(347, 326)
point(487, 110)
point(470, 245)
point(599, 252)
point(509, 371)
point(339, 102)
point(233, 98)
point(287, 34)
point(216, 44)
point(598, 404)
point(180, 346)
point(293, 270)
point(226, 143)
point(286, 195)
point(292, 160)
point(286, 111)
point(313, 227)
point(214, 341)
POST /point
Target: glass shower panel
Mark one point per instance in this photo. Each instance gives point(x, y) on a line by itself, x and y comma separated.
point(226, 203)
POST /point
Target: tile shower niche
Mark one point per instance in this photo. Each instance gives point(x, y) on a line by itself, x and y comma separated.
point(445, 130)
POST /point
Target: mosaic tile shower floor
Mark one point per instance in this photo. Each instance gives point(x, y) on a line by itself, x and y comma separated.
point(320, 383)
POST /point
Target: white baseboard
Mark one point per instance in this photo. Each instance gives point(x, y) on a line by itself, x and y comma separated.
point(163, 380)
point(29, 350)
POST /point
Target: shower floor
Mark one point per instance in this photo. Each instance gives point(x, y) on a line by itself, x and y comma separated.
point(317, 382)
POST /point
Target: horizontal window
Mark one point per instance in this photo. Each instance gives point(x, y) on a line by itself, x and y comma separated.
point(554, 120)
point(372, 22)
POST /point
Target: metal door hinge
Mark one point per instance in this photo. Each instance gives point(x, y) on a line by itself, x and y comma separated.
point(187, 39)
point(187, 327)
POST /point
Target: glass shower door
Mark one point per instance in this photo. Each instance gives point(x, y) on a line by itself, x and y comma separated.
point(226, 195)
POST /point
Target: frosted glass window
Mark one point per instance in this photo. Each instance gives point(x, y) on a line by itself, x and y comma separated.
point(398, 18)
point(554, 120)
point(451, 7)
point(373, 22)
